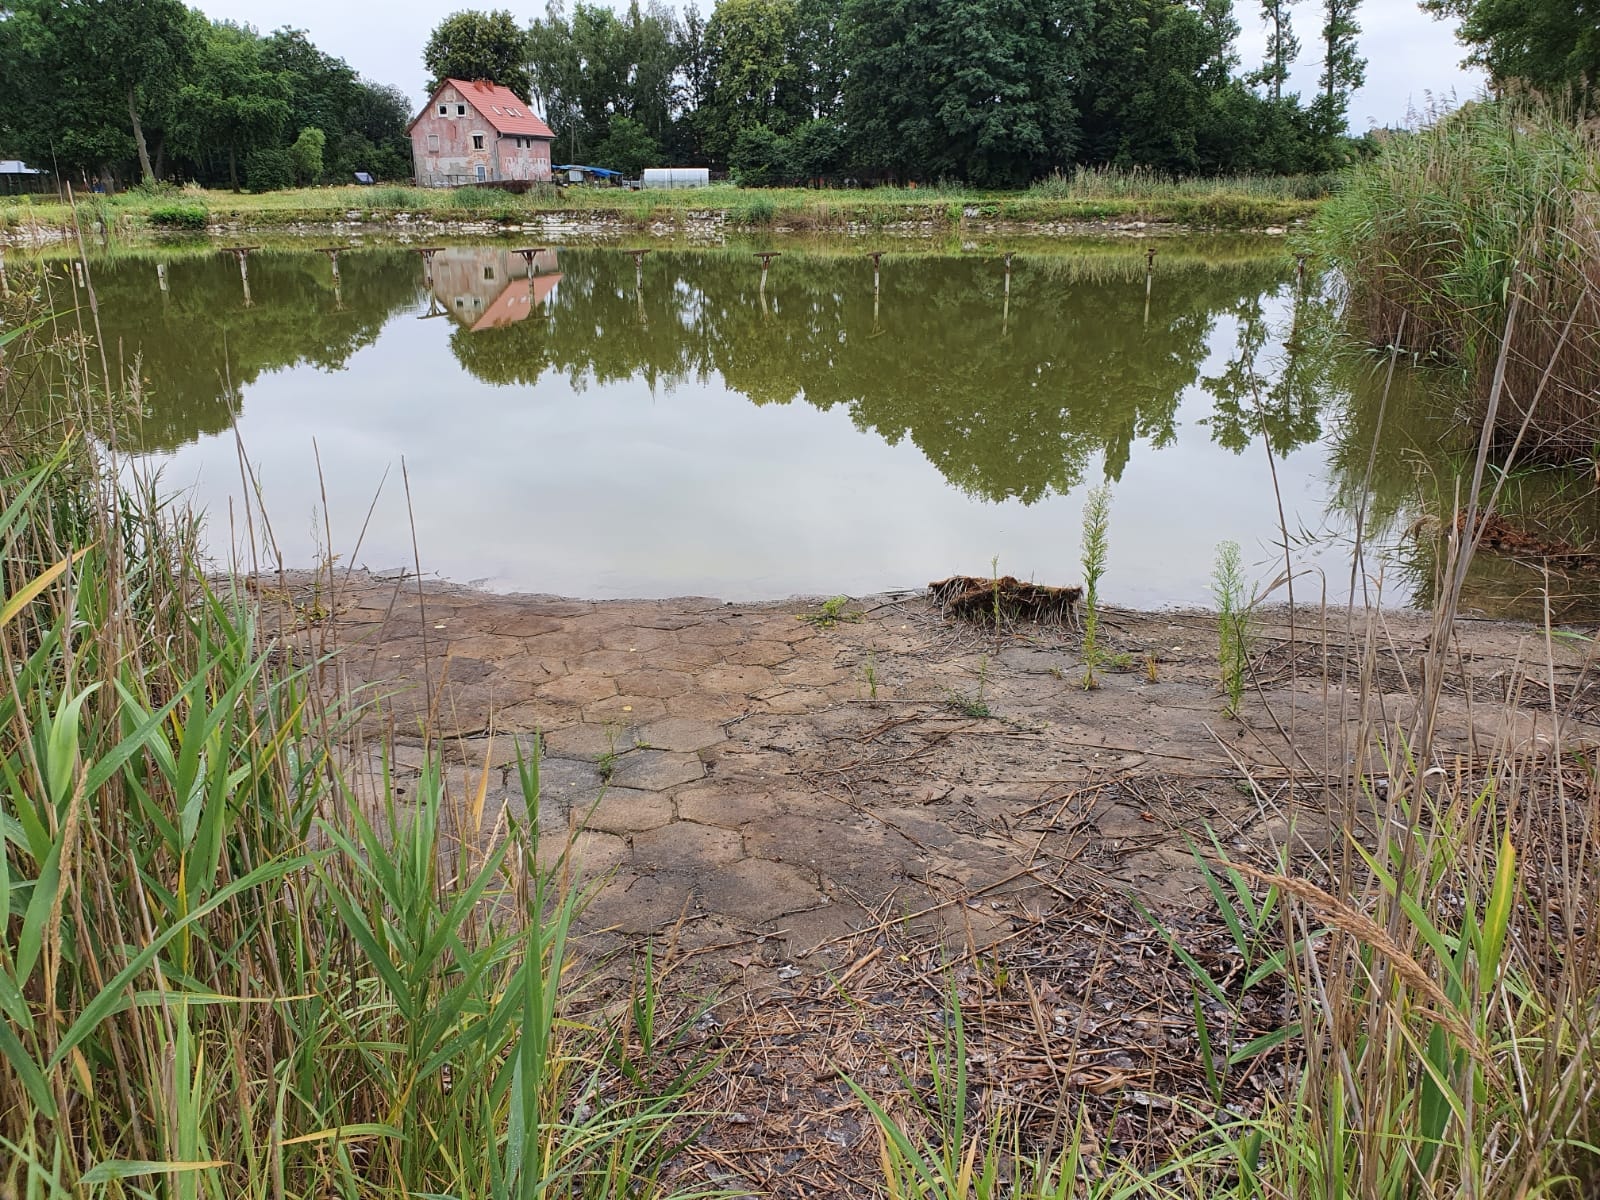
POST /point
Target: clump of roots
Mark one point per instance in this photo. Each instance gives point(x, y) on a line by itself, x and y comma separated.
point(1500, 536)
point(1007, 600)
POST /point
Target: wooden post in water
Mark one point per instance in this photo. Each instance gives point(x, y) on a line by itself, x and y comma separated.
point(242, 253)
point(638, 269)
point(766, 257)
point(1149, 275)
point(161, 278)
point(427, 253)
point(529, 253)
point(1005, 304)
point(1299, 272)
point(877, 280)
point(333, 261)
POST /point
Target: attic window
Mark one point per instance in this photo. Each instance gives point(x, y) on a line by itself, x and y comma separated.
point(499, 110)
point(461, 110)
point(444, 109)
point(511, 112)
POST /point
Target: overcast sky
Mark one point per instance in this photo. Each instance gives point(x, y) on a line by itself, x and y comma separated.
point(1410, 56)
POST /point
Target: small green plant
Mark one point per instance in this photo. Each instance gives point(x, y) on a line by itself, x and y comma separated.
point(870, 673)
point(1234, 621)
point(179, 215)
point(1096, 546)
point(974, 704)
point(606, 764)
point(831, 612)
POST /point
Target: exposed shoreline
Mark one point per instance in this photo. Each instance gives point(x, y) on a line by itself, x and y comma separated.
point(827, 213)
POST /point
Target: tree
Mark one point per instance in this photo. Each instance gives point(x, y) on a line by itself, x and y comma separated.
point(136, 47)
point(1343, 68)
point(964, 89)
point(1550, 45)
point(82, 75)
point(627, 148)
point(1154, 86)
point(479, 45)
point(754, 80)
point(760, 157)
point(1282, 47)
point(306, 155)
point(597, 67)
point(232, 101)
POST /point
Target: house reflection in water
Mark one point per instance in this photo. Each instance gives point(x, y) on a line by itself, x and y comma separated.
point(483, 287)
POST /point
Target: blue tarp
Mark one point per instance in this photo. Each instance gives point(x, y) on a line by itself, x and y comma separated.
point(603, 172)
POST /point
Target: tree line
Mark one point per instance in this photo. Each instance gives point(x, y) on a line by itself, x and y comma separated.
point(992, 92)
point(120, 91)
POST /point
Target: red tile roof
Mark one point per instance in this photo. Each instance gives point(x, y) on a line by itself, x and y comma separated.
point(501, 107)
point(517, 301)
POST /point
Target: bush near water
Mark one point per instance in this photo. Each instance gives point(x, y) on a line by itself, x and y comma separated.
point(1479, 230)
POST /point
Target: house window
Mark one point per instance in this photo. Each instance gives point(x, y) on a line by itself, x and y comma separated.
point(483, 174)
point(488, 273)
point(433, 141)
point(444, 109)
point(477, 141)
point(461, 110)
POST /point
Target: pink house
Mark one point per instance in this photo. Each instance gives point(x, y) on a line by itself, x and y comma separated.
point(475, 133)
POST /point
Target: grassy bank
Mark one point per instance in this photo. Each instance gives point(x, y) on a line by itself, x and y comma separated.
point(1088, 197)
point(236, 961)
point(1475, 242)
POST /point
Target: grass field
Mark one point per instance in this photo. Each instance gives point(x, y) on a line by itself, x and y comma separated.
point(1087, 196)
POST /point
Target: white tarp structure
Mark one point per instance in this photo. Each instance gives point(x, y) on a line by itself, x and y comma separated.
point(676, 177)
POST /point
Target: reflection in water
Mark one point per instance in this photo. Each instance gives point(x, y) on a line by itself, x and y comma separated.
point(1015, 416)
point(695, 420)
point(486, 288)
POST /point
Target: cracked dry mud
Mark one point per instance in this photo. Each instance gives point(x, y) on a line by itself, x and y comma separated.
point(743, 775)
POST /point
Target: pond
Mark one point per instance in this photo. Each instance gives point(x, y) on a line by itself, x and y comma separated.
point(581, 423)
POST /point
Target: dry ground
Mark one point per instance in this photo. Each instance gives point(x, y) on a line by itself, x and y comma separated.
point(823, 827)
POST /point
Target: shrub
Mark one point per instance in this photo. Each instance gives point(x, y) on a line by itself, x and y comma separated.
point(306, 155)
point(1438, 234)
point(179, 215)
point(269, 169)
point(754, 210)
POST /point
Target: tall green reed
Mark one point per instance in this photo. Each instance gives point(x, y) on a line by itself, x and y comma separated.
point(233, 961)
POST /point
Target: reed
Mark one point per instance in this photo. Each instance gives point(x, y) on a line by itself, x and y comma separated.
point(1486, 222)
point(233, 962)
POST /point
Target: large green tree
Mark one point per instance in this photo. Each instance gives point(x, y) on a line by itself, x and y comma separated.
point(1283, 47)
point(1343, 68)
point(234, 102)
point(1550, 45)
point(81, 76)
point(595, 68)
point(478, 45)
point(755, 77)
point(964, 89)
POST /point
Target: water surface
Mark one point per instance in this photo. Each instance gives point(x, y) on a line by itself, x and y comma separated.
point(586, 426)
